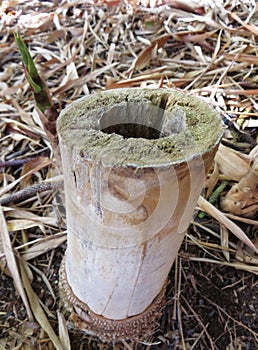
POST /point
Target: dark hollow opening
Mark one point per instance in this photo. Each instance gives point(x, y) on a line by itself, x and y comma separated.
point(128, 130)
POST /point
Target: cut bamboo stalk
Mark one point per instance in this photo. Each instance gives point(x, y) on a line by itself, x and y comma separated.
point(134, 164)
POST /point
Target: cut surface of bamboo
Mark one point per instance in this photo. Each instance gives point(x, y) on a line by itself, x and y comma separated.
point(134, 164)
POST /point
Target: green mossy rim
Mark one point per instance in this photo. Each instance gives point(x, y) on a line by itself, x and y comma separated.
point(79, 129)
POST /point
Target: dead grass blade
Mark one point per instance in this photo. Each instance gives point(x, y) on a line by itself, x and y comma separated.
point(243, 256)
point(63, 331)
point(37, 309)
point(251, 59)
point(223, 220)
point(253, 29)
point(27, 215)
point(151, 76)
point(148, 53)
point(224, 241)
point(42, 165)
point(195, 37)
point(80, 81)
point(206, 247)
point(178, 302)
point(42, 245)
point(234, 169)
point(11, 262)
point(239, 218)
point(234, 264)
point(250, 92)
point(44, 279)
point(242, 198)
point(17, 225)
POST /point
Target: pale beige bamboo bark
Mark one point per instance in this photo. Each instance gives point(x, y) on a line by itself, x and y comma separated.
point(134, 163)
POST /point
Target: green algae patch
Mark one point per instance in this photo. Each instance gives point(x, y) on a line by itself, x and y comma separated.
point(139, 127)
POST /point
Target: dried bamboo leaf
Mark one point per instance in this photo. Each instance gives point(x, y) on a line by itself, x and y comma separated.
point(17, 225)
point(25, 117)
point(254, 152)
point(242, 198)
point(13, 184)
point(34, 131)
point(234, 169)
point(37, 309)
point(212, 180)
point(183, 5)
point(36, 20)
point(143, 77)
point(11, 262)
point(78, 82)
point(236, 265)
point(194, 37)
point(224, 241)
point(45, 280)
point(253, 29)
point(145, 56)
point(249, 92)
point(239, 204)
point(241, 219)
point(250, 179)
point(28, 168)
point(43, 245)
point(63, 331)
point(242, 256)
point(27, 215)
point(250, 59)
point(223, 220)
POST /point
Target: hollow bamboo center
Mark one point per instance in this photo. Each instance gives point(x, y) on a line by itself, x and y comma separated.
point(143, 120)
point(130, 130)
point(140, 127)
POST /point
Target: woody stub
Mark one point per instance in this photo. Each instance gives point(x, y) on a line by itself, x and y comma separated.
point(134, 164)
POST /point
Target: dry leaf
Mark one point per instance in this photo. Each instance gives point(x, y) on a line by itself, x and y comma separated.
point(11, 262)
point(231, 163)
point(17, 225)
point(43, 245)
point(37, 309)
point(147, 54)
point(14, 183)
point(63, 331)
point(250, 59)
point(224, 241)
point(253, 29)
point(223, 220)
point(36, 20)
point(242, 198)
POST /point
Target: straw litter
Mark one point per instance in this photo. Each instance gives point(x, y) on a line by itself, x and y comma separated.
point(207, 48)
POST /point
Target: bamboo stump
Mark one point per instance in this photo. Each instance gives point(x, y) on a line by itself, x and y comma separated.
point(134, 164)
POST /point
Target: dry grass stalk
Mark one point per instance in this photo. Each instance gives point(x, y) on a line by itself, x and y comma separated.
point(211, 210)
